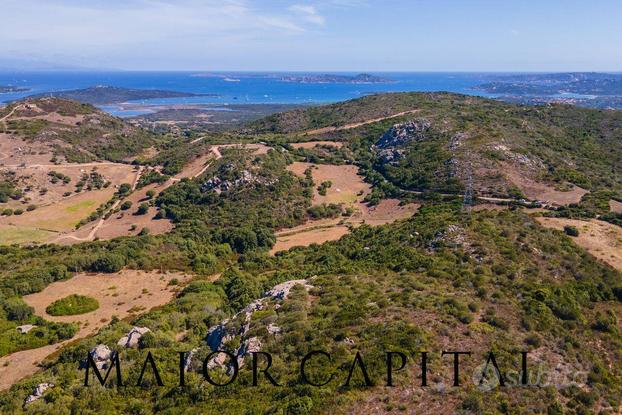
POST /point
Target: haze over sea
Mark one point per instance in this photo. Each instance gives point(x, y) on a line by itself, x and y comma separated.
point(236, 87)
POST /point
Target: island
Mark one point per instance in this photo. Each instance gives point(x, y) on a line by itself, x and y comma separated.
point(6, 89)
point(101, 95)
point(363, 78)
point(597, 90)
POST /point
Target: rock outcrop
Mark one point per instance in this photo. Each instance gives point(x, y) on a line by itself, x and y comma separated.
point(101, 355)
point(388, 146)
point(132, 337)
point(38, 392)
point(219, 335)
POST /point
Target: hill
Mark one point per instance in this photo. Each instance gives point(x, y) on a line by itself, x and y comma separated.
point(99, 95)
point(446, 143)
point(454, 273)
point(70, 130)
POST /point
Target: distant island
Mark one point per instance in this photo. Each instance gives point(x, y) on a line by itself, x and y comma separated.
point(583, 83)
point(363, 78)
point(101, 95)
point(5, 89)
point(598, 90)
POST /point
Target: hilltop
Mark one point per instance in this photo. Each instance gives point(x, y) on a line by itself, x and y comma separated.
point(498, 149)
point(70, 130)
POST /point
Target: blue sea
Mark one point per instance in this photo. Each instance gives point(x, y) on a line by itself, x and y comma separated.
point(236, 87)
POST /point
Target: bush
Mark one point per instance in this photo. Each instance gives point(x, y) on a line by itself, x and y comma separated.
point(126, 205)
point(108, 263)
point(571, 230)
point(142, 209)
point(124, 188)
point(16, 309)
point(72, 305)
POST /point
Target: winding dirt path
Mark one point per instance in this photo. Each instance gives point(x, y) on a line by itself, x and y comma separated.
point(358, 124)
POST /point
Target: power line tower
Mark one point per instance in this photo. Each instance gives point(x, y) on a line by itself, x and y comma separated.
point(467, 201)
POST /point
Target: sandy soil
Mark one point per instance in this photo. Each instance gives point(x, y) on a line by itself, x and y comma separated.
point(121, 223)
point(37, 176)
point(311, 144)
point(601, 239)
point(615, 206)
point(119, 294)
point(56, 213)
point(15, 151)
point(306, 235)
point(539, 191)
point(347, 184)
point(358, 124)
point(257, 148)
point(348, 188)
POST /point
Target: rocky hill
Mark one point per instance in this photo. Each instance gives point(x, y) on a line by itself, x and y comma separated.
point(71, 130)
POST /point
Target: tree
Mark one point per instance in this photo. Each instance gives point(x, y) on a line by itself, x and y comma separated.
point(126, 205)
point(124, 188)
point(571, 230)
point(142, 209)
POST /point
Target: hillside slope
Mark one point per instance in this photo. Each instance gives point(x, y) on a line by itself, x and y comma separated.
point(76, 132)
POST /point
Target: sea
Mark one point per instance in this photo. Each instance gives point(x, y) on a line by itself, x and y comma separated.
point(227, 88)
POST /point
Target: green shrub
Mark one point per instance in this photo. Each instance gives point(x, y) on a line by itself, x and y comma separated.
point(571, 230)
point(72, 305)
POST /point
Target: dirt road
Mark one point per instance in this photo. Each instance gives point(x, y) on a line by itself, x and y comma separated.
point(358, 124)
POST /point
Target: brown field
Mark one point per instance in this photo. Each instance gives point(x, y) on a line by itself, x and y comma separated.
point(538, 191)
point(257, 148)
point(121, 222)
point(119, 294)
point(311, 144)
point(615, 206)
point(15, 151)
point(348, 188)
point(347, 184)
point(307, 234)
point(56, 213)
point(601, 239)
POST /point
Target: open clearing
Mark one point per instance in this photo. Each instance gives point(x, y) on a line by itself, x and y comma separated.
point(126, 223)
point(349, 189)
point(61, 215)
point(311, 144)
point(601, 239)
point(347, 186)
point(10, 234)
point(615, 206)
point(538, 191)
point(119, 294)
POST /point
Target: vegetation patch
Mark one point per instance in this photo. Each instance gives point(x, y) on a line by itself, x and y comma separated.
point(72, 305)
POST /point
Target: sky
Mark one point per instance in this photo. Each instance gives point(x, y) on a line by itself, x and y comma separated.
point(316, 35)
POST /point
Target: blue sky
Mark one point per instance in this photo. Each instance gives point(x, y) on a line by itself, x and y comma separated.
point(320, 35)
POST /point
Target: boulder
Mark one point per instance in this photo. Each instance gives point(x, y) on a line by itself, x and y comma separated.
point(101, 355)
point(250, 345)
point(218, 335)
point(25, 328)
point(281, 291)
point(38, 393)
point(273, 328)
point(132, 337)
